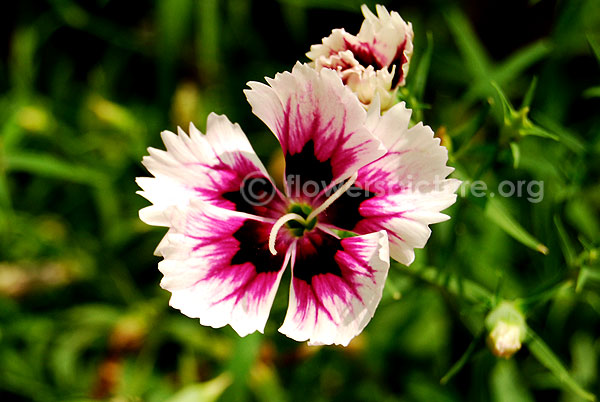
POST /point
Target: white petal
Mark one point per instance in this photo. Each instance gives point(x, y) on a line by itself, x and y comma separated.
point(406, 189)
point(340, 298)
point(306, 106)
point(198, 166)
point(218, 267)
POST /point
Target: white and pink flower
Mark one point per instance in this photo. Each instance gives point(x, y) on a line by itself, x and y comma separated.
point(374, 62)
point(232, 232)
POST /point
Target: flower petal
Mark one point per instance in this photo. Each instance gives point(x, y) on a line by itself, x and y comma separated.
point(374, 62)
point(392, 125)
point(402, 192)
point(387, 38)
point(218, 267)
point(320, 125)
point(336, 286)
point(220, 168)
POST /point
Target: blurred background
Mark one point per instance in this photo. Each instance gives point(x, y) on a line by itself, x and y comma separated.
point(513, 90)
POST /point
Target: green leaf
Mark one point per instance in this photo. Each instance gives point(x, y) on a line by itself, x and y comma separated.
point(66, 356)
point(241, 364)
point(476, 58)
point(469, 128)
point(419, 79)
point(585, 357)
point(565, 136)
point(582, 214)
point(23, 64)
point(207, 37)
point(50, 166)
point(498, 214)
point(554, 291)
point(565, 242)
point(520, 61)
point(528, 98)
point(266, 384)
point(594, 44)
point(548, 359)
point(173, 18)
point(506, 383)
point(12, 133)
point(584, 274)
point(208, 391)
point(456, 367)
point(538, 132)
point(348, 5)
point(453, 284)
point(508, 111)
point(516, 153)
point(5, 200)
point(593, 92)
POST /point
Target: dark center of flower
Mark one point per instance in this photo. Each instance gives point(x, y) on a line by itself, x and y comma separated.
point(298, 228)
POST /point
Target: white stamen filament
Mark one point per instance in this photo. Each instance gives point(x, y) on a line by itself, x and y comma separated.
point(333, 197)
point(304, 221)
point(278, 225)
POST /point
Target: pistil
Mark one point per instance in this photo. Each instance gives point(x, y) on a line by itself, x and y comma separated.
point(278, 225)
point(333, 197)
point(308, 222)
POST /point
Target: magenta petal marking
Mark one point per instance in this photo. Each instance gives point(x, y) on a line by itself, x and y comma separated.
point(322, 271)
point(398, 62)
point(336, 286)
point(242, 257)
point(241, 187)
point(320, 124)
point(366, 54)
point(219, 268)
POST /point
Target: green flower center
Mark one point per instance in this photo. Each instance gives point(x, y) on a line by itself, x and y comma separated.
point(298, 228)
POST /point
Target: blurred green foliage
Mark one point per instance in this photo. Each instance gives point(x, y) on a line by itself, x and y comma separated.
point(87, 86)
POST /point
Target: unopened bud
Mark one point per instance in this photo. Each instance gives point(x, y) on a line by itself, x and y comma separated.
point(507, 329)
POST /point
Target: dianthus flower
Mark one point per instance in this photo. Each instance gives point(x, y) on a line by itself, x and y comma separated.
point(374, 62)
point(232, 232)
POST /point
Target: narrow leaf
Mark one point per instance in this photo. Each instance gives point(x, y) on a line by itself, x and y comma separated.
point(498, 214)
point(516, 153)
point(420, 76)
point(50, 166)
point(566, 244)
point(538, 132)
point(208, 391)
point(548, 359)
point(521, 60)
point(507, 108)
point(456, 367)
point(507, 384)
point(528, 98)
point(570, 139)
point(475, 57)
point(595, 45)
point(593, 92)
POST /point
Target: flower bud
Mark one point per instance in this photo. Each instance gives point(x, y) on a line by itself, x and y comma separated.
point(374, 62)
point(507, 329)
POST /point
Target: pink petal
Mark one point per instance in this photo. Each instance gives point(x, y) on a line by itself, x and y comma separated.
point(336, 286)
point(220, 168)
point(320, 125)
point(218, 267)
point(402, 192)
point(389, 39)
